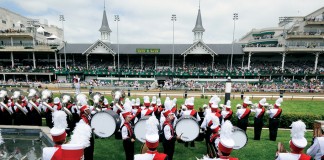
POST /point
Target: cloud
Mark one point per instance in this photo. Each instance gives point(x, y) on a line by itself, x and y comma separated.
point(149, 21)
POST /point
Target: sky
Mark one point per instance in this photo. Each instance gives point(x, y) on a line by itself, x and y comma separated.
point(149, 21)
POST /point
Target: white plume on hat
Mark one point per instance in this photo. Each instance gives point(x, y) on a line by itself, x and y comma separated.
point(216, 100)
point(247, 100)
point(158, 102)
point(105, 101)
point(153, 100)
point(127, 106)
point(174, 101)
point(96, 98)
point(59, 119)
point(215, 121)
point(146, 99)
point(133, 102)
point(81, 134)
point(66, 98)
point(298, 130)
point(279, 101)
point(168, 105)
point(56, 100)
point(263, 101)
point(228, 104)
point(32, 92)
point(226, 134)
point(191, 101)
point(46, 93)
point(138, 102)
point(1, 139)
point(152, 130)
point(212, 98)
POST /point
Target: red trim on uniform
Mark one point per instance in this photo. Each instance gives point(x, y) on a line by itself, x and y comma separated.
point(261, 113)
point(125, 114)
point(246, 112)
point(294, 148)
point(72, 154)
point(147, 104)
point(275, 106)
point(230, 113)
point(58, 153)
point(152, 144)
point(171, 128)
point(69, 106)
point(245, 105)
point(190, 107)
point(305, 157)
point(174, 109)
point(277, 114)
point(214, 136)
point(85, 119)
point(148, 112)
point(166, 113)
point(129, 128)
point(83, 108)
point(224, 149)
point(193, 112)
point(157, 155)
point(60, 137)
point(213, 110)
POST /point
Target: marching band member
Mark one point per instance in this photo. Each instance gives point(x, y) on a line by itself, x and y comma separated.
point(127, 131)
point(274, 120)
point(105, 105)
point(297, 143)
point(80, 139)
point(85, 115)
point(152, 142)
point(258, 118)
point(6, 112)
point(20, 108)
point(243, 114)
point(48, 99)
point(226, 143)
point(227, 113)
point(136, 109)
point(214, 136)
point(169, 135)
point(146, 111)
point(76, 82)
point(316, 150)
point(34, 114)
point(192, 112)
point(58, 135)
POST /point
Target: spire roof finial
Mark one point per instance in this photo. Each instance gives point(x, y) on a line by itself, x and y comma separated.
point(199, 26)
point(104, 25)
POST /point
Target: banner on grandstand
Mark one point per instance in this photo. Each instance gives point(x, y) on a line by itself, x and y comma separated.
point(147, 50)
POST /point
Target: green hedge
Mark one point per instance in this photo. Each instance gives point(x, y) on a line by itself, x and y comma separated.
point(286, 119)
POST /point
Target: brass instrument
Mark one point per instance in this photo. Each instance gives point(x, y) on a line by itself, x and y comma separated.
point(239, 106)
point(6, 107)
point(80, 97)
point(96, 98)
point(35, 106)
point(21, 108)
point(65, 99)
point(117, 94)
point(48, 106)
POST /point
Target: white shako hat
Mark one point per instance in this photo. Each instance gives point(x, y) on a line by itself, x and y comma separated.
point(226, 142)
point(262, 101)
point(228, 104)
point(152, 133)
point(57, 100)
point(153, 100)
point(58, 131)
point(278, 102)
point(146, 101)
point(298, 142)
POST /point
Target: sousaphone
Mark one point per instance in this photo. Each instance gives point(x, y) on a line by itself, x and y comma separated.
point(66, 97)
point(33, 93)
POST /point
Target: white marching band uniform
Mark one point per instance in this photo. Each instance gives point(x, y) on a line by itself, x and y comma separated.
point(317, 149)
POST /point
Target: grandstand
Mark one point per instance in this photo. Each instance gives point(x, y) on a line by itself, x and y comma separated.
point(33, 51)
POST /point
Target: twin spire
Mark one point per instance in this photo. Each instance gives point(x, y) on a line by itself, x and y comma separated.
point(105, 30)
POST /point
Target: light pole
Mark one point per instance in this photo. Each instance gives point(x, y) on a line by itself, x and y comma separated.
point(235, 17)
point(173, 19)
point(62, 19)
point(117, 20)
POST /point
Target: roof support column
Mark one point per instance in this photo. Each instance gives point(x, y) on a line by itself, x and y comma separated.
point(249, 62)
point(141, 61)
point(316, 61)
point(11, 40)
point(114, 62)
point(88, 62)
point(12, 60)
point(49, 78)
point(127, 61)
point(242, 60)
point(55, 57)
point(4, 77)
point(283, 61)
point(184, 61)
point(155, 63)
point(26, 77)
point(213, 62)
point(34, 60)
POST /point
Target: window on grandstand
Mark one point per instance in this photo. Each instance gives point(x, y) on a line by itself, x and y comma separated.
point(4, 22)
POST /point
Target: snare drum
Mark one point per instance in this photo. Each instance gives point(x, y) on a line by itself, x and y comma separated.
point(240, 138)
point(105, 123)
point(140, 129)
point(187, 128)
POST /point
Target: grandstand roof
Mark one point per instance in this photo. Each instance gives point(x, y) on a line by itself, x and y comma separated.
point(220, 49)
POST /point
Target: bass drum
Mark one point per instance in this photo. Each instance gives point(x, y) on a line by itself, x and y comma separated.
point(105, 123)
point(187, 128)
point(140, 129)
point(240, 138)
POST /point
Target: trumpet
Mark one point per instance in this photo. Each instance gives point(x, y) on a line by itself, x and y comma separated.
point(48, 106)
point(21, 108)
point(35, 106)
point(6, 107)
point(239, 106)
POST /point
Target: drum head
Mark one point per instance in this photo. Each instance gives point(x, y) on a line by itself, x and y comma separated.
point(187, 128)
point(240, 138)
point(104, 124)
point(140, 129)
